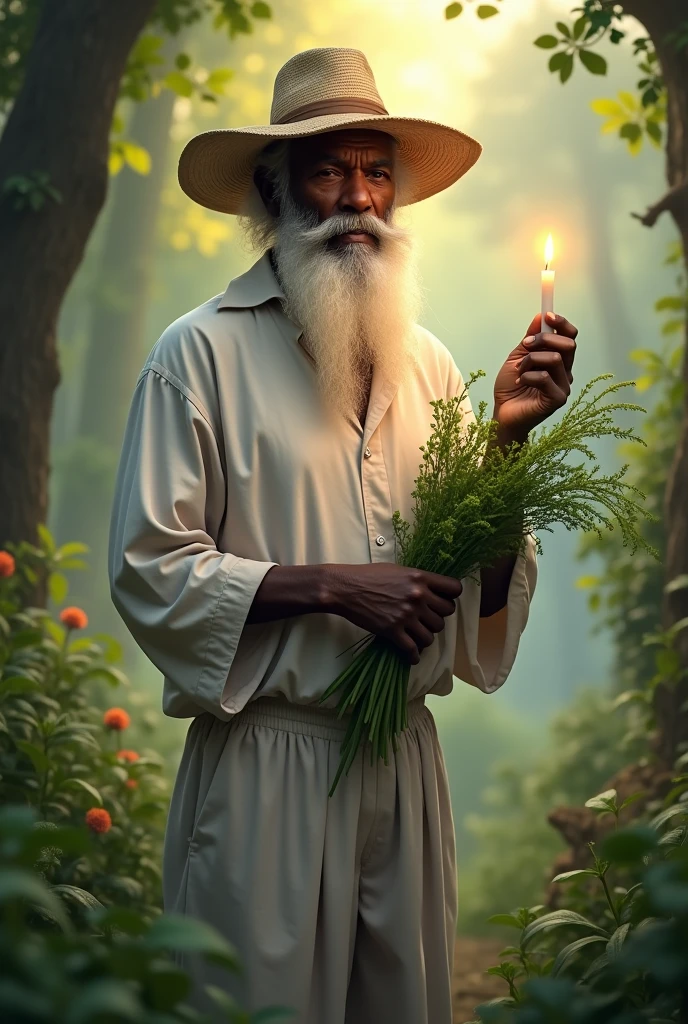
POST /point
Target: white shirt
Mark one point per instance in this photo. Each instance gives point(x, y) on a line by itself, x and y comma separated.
point(229, 466)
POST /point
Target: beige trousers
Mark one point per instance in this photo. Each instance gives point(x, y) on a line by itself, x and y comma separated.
point(344, 908)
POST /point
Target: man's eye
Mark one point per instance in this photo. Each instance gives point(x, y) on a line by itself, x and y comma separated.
point(381, 173)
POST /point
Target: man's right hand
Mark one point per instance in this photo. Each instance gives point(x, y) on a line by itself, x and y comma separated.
point(406, 606)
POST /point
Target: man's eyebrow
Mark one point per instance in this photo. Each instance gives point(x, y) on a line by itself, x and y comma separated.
point(382, 161)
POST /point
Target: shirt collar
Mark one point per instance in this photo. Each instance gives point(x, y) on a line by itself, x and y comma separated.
point(257, 285)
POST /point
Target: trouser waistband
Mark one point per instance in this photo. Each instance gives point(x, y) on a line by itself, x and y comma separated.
point(307, 719)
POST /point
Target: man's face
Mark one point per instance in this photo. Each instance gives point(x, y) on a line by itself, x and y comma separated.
point(349, 171)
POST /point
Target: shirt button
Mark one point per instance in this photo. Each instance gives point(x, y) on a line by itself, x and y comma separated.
point(379, 541)
point(367, 453)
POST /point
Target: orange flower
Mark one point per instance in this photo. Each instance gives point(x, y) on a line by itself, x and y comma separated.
point(116, 719)
point(128, 755)
point(74, 618)
point(98, 820)
point(131, 783)
point(7, 564)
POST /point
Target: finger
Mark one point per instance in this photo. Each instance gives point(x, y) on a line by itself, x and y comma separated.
point(534, 326)
point(561, 325)
point(445, 586)
point(553, 343)
point(541, 381)
point(440, 605)
point(431, 620)
point(420, 634)
point(550, 361)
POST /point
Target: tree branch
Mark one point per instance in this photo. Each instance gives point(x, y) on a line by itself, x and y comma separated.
point(674, 201)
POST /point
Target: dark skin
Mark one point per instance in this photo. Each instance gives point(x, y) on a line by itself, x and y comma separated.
point(351, 171)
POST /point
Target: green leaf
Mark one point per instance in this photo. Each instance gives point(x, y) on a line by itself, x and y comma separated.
point(595, 63)
point(559, 919)
point(19, 885)
point(103, 999)
point(556, 62)
point(85, 785)
point(261, 10)
point(217, 80)
point(182, 934)
point(136, 156)
point(58, 586)
point(678, 583)
point(678, 303)
point(566, 69)
point(603, 801)
point(182, 61)
point(179, 83)
point(72, 893)
point(579, 26)
point(617, 940)
point(506, 919)
point(630, 131)
point(546, 42)
point(486, 11)
point(46, 539)
point(453, 10)
point(629, 845)
point(564, 29)
point(569, 953)
point(566, 876)
point(74, 547)
point(38, 757)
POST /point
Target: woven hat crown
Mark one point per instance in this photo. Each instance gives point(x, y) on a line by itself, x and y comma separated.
point(324, 75)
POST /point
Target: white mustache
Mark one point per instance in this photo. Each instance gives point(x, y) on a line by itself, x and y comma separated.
point(343, 223)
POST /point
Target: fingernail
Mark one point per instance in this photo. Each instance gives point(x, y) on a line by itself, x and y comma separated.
point(552, 317)
point(530, 340)
point(517, 381)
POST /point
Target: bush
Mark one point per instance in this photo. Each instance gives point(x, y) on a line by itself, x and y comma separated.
point(82, 938)
point(625, 959)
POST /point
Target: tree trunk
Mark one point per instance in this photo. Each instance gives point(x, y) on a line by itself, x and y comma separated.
point(58, 128)
point(661, 19)
point(115, 318)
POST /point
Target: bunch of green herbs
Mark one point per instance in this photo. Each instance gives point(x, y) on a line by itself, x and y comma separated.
point(475, 502)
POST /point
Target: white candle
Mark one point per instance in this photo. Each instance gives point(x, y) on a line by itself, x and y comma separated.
point(547, 305)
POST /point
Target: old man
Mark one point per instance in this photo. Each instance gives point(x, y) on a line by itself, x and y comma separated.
point(273, 432)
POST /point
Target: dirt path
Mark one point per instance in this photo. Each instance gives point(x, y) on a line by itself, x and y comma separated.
point(471, 984)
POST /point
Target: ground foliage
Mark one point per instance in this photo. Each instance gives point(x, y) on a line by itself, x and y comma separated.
point(82, 938)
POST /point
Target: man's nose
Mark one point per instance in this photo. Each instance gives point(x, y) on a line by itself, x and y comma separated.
point(355, 196)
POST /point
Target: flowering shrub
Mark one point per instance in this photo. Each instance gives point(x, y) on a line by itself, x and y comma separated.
point(81, 933)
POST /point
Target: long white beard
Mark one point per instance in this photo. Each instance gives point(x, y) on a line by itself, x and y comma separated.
point(357, 305)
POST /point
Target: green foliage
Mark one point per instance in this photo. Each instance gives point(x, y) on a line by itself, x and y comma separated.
point(67, 959)
point(587, 743)
point(30, 191)
point(624, 959)
point(81, 934)
point(628, 595)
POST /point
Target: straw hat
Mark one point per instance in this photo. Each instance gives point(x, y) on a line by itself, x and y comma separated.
point(316, 91)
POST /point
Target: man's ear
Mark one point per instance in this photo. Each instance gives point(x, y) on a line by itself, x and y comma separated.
point(267, 192)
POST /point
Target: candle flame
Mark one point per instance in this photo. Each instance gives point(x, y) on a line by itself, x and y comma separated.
point(549, 251)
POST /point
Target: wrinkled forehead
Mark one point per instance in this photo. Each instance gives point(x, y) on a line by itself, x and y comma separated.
point(376, 144)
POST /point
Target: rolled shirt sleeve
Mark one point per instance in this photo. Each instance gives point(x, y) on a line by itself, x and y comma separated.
point(486, 647)
point(183, 601)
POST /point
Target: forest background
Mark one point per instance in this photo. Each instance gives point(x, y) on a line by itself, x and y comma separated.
point(545, 167)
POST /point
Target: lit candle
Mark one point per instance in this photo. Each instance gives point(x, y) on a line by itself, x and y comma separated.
point(547, 286)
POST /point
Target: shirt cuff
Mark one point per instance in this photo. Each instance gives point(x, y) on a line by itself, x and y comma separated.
point(486, 647)
point(231, 610)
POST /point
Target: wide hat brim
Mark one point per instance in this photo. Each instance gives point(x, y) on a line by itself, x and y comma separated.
point(216, 167)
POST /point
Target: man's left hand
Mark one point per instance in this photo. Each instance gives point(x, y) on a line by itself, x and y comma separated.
point(536, 378)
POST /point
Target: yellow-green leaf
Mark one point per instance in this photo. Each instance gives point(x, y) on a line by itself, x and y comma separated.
point(57, 587)
point(583, 582)
point(115, 162)
point(629, 101)
point(217, 80)
point(46, 539)
point(486, 11)
point(453, 10)
point(136, 157)
point(607, 108)
point(179, 83)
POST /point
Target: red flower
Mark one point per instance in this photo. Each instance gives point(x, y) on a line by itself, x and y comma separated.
point(131, 783)
point(128, 755)
point(7, 564)
point(74, 618)
point(98, 820)
point(116, 719)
